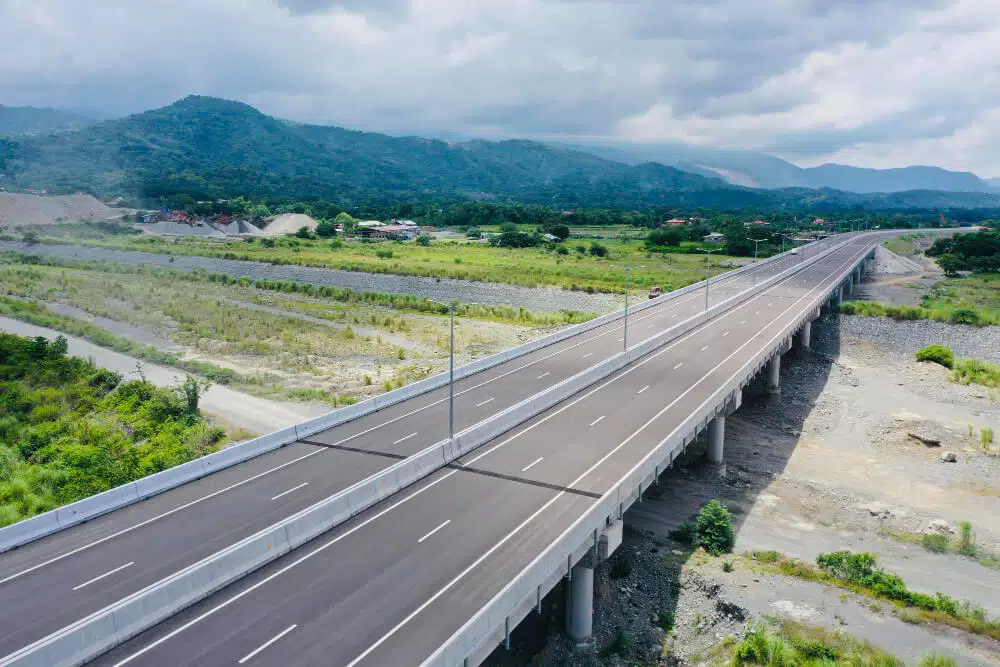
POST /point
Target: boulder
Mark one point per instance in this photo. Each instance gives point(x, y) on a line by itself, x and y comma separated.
point(949, 457)
point(940, 527)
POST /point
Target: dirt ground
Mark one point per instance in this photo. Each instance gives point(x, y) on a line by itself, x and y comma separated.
point(830, 464)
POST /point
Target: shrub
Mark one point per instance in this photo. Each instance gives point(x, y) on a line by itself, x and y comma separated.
point(303, 233)
point(326, 229)
point(686, 533)
point(938, 354)
point(598, 250)
point(935, 660)
point(966, 538)
point(935, 542)
point(383, 254)
point(715, 528)
point(727, 566)
point(964, 316)
point(618, 646)
point(423, 240)
point(336, 244)
point(974, 371)
point(665, 620)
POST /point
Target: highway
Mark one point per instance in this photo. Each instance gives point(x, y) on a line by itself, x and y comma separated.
point(394, 583)
point(73, 573)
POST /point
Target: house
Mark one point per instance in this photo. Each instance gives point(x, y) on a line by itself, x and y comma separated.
point(407, 223)
point(819, 221)
point(714, 237)
point(675, 222)
point(757, 223)
point(369, 224)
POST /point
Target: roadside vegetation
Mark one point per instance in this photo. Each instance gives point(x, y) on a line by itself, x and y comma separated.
point(964, 371)
point(962, 544)
point(786, 643)
point(70, 429)
point(859, 572)
point(980, 317)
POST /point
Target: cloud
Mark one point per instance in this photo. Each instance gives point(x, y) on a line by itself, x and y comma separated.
point(867, 81)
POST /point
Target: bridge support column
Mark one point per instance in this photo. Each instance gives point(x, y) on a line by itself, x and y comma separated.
point(805, 335)
point(717, 440)
point(580, 601)
point(838, 297)
point(849, 285)
point(774, 375)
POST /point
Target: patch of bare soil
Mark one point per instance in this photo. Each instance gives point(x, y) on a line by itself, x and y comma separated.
point(847, 457)
point(25, 210)
point(899, 280)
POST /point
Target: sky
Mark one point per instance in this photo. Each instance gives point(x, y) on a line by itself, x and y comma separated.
point(875, 83)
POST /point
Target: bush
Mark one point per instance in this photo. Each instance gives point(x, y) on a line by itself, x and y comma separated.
point(383, 254)
point(935, 542)
point(938, 354)
point(686, 533)
point(304, 233)
point(598, 250)
point(935, 660)
point(665, 620)
point(618, 646)
point(423, 240)
point(326, 229)
point(715, 528)
point(964, 316)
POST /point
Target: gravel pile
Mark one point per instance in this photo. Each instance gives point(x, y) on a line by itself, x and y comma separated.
point(441, 289)
point(907, 336)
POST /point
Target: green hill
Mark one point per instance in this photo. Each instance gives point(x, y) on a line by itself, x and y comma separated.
point(33, 120)
point(211, 148)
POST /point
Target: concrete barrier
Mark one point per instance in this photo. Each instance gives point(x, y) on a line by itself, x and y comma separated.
point(45, 524)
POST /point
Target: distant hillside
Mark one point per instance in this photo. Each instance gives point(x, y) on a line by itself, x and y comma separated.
point(211, 148)
point(33, 120)
point(758, 170)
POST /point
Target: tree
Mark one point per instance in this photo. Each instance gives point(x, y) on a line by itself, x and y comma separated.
point(951, 264)
point(303, 233)
point(345, 220)
point(193, 389)
point(326, 229)
point(514, 240)
point(560, 231)
point(598, 250)
point(664, 237)
point(423, 240)
point(508, 228)
point(715, 528)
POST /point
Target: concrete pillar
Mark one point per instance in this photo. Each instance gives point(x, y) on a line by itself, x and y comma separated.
point(717, 439)
point(774, 375)
point(849, 284)
point(838, 296)
point(805, 334)
point(580, 601)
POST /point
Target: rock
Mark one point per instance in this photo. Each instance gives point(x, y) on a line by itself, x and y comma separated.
point(949, 457)
point(930, 442)
point(879, 510)
point(939, 526)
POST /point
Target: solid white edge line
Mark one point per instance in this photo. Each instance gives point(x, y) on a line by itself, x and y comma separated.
point(598, 420)
point(290, 490)
point(106, 574)
point(479, 405)
point(434, 531)
point(404, 438)
point(532, 464)
point(251, 654)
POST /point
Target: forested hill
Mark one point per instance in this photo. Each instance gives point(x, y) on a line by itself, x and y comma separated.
point(211, 148)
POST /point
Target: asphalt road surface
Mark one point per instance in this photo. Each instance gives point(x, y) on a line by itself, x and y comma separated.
point(392, 584)
point(62, 578)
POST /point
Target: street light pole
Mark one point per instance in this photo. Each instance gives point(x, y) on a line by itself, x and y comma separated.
point(708, 271)
point(628, 272)
point(756, 242)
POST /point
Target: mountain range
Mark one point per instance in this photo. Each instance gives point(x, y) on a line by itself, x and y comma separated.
point(211, 148)
point(35, 120)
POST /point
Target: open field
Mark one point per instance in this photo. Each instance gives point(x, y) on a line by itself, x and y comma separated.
point(269, 342)
point(576, 269)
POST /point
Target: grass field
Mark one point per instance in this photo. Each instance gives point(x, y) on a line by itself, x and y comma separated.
point(980, 292)
point(271, 342)
point(575, 269)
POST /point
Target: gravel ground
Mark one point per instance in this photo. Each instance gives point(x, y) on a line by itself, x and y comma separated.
point(442, 289)
point(906, 337)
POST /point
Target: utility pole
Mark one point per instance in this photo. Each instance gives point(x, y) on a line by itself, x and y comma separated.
point(708, 270)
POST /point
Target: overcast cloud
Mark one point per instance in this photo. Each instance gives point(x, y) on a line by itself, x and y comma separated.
point(869, 82)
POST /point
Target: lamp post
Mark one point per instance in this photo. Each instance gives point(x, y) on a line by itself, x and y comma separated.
point(628, 275)
point(451, 369)
point(708, 270)
point(756, 242)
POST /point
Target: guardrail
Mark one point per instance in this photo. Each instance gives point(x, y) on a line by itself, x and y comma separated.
point(480, 634)
point(105, 629)
point(80, 511)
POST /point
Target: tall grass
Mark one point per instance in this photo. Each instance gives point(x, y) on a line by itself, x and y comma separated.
point(975, 371)
point(970, 316)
